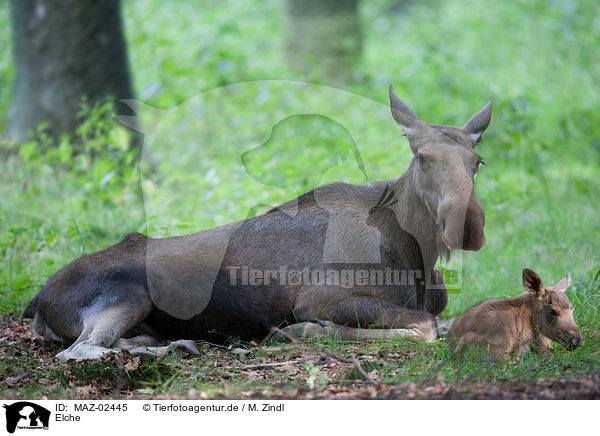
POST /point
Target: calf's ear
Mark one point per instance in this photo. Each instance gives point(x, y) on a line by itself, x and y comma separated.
point(563, 283)
point(532, 282)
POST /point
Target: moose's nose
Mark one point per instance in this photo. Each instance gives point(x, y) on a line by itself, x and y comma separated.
point(574, 341)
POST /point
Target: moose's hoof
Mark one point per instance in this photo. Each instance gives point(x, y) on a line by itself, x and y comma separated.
point(180, 345)
point(426, 331)
point(303, 330)
point(84, 351)
point(443, 326)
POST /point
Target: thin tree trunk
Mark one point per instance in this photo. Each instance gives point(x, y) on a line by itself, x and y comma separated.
point(323, 39)
point(65, 52)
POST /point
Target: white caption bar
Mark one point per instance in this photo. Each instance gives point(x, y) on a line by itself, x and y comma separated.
point(293, 417)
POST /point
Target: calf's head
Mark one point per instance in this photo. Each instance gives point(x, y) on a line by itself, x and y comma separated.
point(443, 172)
point(552, 310)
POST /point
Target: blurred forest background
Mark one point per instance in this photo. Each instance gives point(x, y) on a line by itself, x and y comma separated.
point(239, 129)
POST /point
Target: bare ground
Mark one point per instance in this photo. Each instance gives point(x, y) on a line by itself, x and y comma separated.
point(29, 370)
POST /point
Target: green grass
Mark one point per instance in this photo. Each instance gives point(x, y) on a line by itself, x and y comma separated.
point(540, 187)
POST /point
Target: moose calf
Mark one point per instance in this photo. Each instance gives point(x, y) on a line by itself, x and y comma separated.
point(508, 326)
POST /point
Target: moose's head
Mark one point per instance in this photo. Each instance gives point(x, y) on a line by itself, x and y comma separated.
point(443, 171)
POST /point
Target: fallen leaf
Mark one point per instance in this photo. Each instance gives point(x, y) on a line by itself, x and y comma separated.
point(132, 364)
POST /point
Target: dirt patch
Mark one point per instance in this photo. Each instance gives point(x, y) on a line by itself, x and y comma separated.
point(587, 387)
point(29, 371)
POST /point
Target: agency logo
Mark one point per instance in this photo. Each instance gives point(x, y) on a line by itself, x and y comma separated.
point(26, 415)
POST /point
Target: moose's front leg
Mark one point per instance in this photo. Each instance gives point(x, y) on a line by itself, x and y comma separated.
point(421, 297)
point(436, 296)
point(369, 312)
point(432, 295)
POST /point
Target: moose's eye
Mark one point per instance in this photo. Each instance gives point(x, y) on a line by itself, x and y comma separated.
point(553, 312)
point(422, 161)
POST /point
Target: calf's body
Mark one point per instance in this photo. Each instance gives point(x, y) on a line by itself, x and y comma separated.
point(511, 326)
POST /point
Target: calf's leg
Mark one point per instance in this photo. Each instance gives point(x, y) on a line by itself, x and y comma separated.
point(496, 348)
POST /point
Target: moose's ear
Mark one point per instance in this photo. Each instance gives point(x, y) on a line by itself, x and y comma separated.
point(401, 110)
point(532, 282)
point(563, 284)
point(405, 117)
point(477, 124)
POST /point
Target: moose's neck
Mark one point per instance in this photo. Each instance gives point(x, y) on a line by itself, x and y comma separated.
point(415, 219)
point(524, 322)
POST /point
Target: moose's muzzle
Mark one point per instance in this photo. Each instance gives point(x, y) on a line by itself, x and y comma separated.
point(462, 220)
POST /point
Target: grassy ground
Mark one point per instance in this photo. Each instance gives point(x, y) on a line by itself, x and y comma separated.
point(221, 154)
point(397, 368)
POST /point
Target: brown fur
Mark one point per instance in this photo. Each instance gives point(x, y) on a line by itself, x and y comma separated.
point(510, 326)
point(170, 288)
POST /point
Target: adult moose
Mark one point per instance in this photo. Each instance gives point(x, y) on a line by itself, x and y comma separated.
point(143, 290)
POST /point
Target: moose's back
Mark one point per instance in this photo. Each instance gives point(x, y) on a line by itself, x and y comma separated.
point(267, 263)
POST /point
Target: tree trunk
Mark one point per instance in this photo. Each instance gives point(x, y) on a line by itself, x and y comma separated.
point(323, 39)
point(66, 52)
